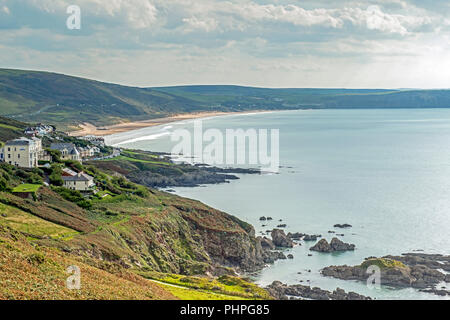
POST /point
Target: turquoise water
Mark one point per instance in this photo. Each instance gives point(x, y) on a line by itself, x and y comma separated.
point(386, 172)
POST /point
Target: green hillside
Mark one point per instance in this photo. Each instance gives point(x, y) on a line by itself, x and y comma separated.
point(129, 241)
point(10, 129)
point(66, 100)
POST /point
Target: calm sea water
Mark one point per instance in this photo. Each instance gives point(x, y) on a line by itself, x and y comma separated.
point(386, 172)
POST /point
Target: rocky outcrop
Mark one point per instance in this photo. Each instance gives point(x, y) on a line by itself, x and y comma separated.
point(282, 291)
point(419, 271)
point(267, 243)
point(191, 176)
point(433, 261)
point(333, 246)
point(321, 246)
point(280, 239)
point(303, 236)
point(438, 292)
point(343, 226)
point(338, 245)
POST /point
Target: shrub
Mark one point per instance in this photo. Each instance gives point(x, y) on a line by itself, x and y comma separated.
point(55, 154)
point(73, 196)
point(3, 184)
point(36, 259)
point(55, 176)
point(74, 165)
point(33, 178)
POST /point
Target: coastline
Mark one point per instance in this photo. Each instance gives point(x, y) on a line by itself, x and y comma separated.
point(90, 129)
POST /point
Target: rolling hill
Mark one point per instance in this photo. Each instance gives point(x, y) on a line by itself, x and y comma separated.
point(65, 100)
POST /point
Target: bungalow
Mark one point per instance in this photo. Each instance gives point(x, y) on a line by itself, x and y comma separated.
point(81, 182)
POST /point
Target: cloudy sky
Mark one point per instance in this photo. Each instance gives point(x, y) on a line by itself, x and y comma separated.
point(269, 43)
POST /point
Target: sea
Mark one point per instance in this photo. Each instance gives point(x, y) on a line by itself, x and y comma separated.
point(386, 172)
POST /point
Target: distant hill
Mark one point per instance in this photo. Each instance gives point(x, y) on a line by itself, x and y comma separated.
point(10, 129)
point(65, 100)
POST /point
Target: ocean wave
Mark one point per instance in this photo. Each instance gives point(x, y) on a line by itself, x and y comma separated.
point(144, 138)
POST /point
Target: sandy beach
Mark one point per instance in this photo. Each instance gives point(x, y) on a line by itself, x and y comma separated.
point(90, 129)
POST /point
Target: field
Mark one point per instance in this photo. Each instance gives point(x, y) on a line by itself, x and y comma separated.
point(33, 188)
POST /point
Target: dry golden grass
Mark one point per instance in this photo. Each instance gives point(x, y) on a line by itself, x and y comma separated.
point(31, 272)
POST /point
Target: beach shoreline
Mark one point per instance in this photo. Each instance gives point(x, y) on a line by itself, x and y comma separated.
point(88, 129)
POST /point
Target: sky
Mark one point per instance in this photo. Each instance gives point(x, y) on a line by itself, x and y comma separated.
point(284, 43)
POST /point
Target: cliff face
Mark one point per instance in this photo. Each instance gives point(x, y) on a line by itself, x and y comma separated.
point(136, 228)
point(162, 232)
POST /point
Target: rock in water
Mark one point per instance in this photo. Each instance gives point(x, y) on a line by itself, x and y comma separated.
point(338, 245)
point(280, 239)
point(345, 225)
point(333, 246)
point(281, 291)
point(303, 236)
point(420, 271)
point(321, 246)
point(311, 237)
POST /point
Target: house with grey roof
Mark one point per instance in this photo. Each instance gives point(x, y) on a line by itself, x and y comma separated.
point(68, 151)
point(80, 181)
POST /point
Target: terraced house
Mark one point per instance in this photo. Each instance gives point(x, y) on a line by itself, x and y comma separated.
point(22, 152)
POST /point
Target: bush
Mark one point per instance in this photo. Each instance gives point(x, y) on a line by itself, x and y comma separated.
point(73, 196)
point(55, 176)
point(3, 184)
point(56, 155)
point(74, 165)
point(34, 179)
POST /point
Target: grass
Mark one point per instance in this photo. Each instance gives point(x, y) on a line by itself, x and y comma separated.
point(27, 188)
point(383, 263)
point(139, 160)
point(39, 273)
point(189, 294)
point(31, 225)
point(225, 285)
point(5, 126)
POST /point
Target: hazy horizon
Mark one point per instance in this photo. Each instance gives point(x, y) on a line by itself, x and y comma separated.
point(229, 84)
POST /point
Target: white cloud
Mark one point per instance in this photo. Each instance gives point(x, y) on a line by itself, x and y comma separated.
point(259, 42)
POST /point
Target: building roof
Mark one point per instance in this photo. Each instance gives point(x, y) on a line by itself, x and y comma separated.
point(19, 142)
point(69, 172)
point(70, 147)
point(79, 177)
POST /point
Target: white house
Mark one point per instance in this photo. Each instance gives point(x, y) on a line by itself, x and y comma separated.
point(81, 182)
point(95, 140)
point(22, 152)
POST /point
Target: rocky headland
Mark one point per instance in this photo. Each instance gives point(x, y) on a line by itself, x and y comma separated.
point(282, 291)
point(421, 271)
